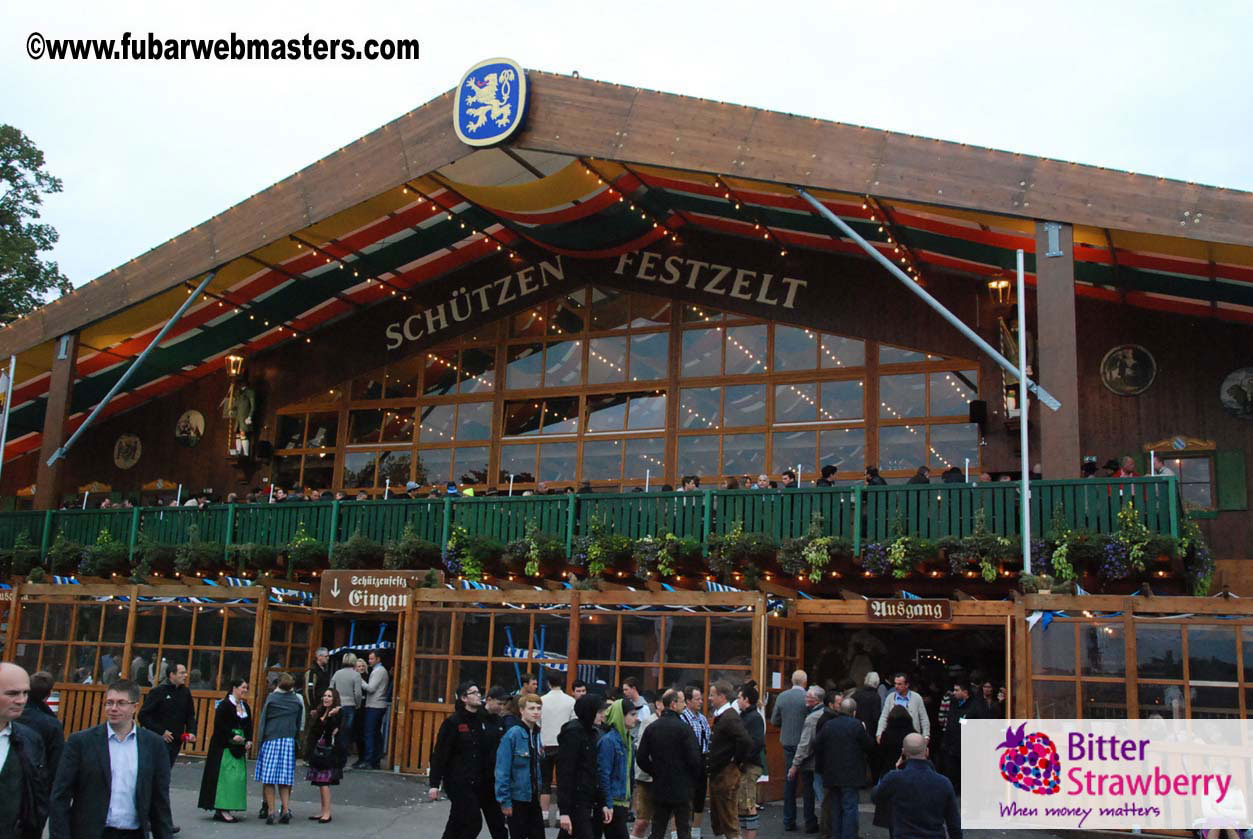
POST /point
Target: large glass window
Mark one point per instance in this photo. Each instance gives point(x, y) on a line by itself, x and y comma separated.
point(560, 392)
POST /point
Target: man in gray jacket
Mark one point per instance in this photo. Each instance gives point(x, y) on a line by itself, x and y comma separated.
point(378, 699)
point(905, 698)
point(790, 708)
point(347, 683)
point(802, 765)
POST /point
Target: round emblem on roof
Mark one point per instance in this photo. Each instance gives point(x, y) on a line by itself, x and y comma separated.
point(490, 102)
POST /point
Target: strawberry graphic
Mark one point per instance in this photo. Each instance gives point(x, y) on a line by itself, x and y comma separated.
point(1030, 762)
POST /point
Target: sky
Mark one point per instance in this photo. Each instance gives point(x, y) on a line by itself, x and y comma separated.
point(147, 150)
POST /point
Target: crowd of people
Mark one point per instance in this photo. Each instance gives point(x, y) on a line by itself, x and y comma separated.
point(639, 764)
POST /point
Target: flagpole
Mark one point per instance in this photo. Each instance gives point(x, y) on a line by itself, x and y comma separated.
point(8, 406)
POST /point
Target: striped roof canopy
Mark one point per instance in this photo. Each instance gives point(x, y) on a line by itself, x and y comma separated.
point(374, 220)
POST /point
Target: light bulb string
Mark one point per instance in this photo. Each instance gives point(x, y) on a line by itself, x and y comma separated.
point(732, 197)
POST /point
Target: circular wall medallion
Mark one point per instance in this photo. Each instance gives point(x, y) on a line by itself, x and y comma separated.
point(1236, 392)
point(126, 451)
point(1128, 369)
point(190, 428)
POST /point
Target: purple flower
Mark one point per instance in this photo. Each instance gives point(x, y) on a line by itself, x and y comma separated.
point(875, 559)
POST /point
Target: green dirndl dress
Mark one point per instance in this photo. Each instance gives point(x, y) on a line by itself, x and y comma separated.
point(232, 789)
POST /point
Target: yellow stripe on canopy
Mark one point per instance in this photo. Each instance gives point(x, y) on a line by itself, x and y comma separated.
point(572, 183)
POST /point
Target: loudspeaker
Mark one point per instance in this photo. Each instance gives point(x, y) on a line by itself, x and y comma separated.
point(265, 449)
point(979, 411)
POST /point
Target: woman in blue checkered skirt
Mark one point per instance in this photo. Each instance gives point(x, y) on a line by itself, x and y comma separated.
point(281, 721)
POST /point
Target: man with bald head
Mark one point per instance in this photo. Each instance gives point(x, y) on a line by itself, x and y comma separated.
point(921, 800)
point(23, 781)
point(790, 709)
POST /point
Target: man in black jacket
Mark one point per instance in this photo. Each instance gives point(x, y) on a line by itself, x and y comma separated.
point(39, 718)
point(463, 763)
point(922, 800)
point(317, 678)
point(962, 707)
point(115, 755)
point(669, 752)
point(840, 754)
point(729, 748)
point(23, 782)
point(170, 711)
point(581, 800)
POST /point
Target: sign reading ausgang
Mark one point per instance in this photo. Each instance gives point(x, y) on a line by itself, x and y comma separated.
point(909, 611)
point(367, 591)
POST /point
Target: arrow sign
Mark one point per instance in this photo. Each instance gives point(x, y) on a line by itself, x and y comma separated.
point(335, 588)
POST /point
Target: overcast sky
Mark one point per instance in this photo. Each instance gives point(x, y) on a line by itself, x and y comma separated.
point(149, 149)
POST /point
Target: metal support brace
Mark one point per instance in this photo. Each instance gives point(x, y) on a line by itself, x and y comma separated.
point(121, 382)
point(1007, 365)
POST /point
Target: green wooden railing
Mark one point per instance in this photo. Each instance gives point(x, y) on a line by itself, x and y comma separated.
point(858, 513)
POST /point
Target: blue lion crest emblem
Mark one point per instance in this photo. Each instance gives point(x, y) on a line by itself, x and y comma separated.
point(491, 100)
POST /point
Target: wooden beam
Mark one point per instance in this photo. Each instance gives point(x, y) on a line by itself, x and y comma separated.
point(49, 479)
point(1057, 354)
point(626, 598)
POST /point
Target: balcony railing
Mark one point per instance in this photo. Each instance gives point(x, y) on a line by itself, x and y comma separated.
point(858, 513)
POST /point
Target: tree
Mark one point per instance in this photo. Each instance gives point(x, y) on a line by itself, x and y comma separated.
point(25, 279)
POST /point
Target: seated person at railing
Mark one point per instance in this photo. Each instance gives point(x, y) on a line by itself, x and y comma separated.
point(789, 479)
point(873, 478)
point(763, 482)
point(828, 476)
point(922, 476)
point(691, 483)
point(731, 483)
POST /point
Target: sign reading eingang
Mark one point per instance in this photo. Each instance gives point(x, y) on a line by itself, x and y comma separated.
point(1153, 774)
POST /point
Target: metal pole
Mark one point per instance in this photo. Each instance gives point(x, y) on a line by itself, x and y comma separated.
point(121, 382)
point(8, 408)
point(1024, 403)
point(1045, 397)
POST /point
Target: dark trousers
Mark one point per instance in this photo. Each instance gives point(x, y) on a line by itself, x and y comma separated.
point(789, 788)
point(117, 833)
point(806, 778)
point(471, 806)
point(616, 829)
point(582, 822)
point(173, 747)
point(526, 821)
point(953, 770)
point(373, 725)
point(663, 811)
point(839, 810)
point(347, 717)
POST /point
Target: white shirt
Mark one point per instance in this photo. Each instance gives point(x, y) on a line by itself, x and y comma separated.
point(556, 709)
point(6, 736)
point(721, 710)
point(124, 767)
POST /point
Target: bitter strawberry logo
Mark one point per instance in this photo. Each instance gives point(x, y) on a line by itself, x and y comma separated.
point(1030, 762)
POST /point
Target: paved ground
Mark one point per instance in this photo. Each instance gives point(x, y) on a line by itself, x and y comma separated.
point(371, 804)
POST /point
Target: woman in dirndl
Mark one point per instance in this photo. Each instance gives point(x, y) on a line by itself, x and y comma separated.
point(322, 751)
point(281, 721)
point(746, 795)
point(224, 784)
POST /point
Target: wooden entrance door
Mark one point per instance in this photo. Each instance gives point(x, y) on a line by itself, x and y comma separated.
point(785, 653)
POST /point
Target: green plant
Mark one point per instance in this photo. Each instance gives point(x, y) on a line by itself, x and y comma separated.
point(468, 556)
point(410, 552)
point(104, 557)
point(1198, 563)
point(304, 550)
point(905, 551)
point(64, 555)
point(195, 555)
point(601, 548)
point(252, 556)
point(36, 575)
point(357, 551)
point(812, 553)
point(740, 551)
point(535, 550)
point(24, 556)
point(663, 554)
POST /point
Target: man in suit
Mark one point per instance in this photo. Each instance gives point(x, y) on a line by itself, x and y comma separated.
point(23, 783)
point(911, 702)
point(114, 778)
point(790, 710)
point(840, 755)
point(729, 748)
point(922, 800)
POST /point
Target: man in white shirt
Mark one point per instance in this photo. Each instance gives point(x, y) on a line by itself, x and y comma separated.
point(911, 702)
point(114, 779)
point(557, 710)
point(631, 692)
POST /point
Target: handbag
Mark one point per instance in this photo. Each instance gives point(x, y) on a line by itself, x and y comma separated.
point(237, 749)
point(322, 756)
